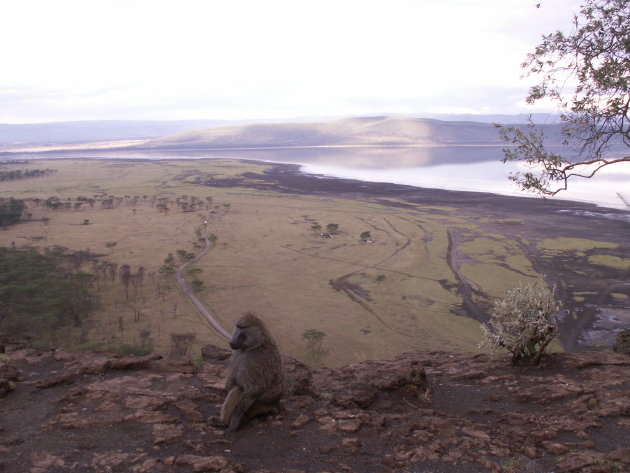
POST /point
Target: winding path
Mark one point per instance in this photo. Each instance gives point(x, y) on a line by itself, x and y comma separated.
point(188, 292)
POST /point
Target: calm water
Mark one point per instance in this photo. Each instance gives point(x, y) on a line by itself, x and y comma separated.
point(472, 168)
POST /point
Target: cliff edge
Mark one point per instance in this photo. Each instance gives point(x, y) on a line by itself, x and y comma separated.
point(422, 412)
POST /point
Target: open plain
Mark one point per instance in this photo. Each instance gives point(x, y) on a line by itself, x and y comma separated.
point(424, 279)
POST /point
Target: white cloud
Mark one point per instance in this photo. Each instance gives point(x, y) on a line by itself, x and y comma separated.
point(243, 58)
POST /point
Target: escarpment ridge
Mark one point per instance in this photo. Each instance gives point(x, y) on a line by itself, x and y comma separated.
point(434, 411)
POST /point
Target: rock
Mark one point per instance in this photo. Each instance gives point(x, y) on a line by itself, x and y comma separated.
point(326, 449)
point(530, 452)
point(555, 448)
point(476, 434)
point(65, 378)
point(389, 461)
point(349, 426)
point(213, 353)
point(43, 461)
point(477, 374)
point(6, 386)
point(108, 461)
point(61, 355)
point(299, 378)
point(622, 342)
point(329, 423)
point(541, 435)
point(133, 362)
point(577, 462)
point(95, 364)
point(167, 433)
point(190, 411)
point(150, 417)
point(622, 455)
point(203, 464)
point(359, 384)
point(70, 420)
point(351, 443)
point(99, 363)
point(8, 371)
point(147, 466)
point(149, 403)
point(172, 365)
point(213, 376)
point(300, 422)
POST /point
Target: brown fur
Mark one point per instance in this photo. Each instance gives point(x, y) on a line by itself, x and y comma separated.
point(256, 381)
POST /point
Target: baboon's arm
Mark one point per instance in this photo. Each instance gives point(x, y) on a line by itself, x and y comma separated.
point(230, 383)
point(232, 400)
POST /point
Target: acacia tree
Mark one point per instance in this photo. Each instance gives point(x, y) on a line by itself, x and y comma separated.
point(595, 114)
point(332, 228)
point(314, 339)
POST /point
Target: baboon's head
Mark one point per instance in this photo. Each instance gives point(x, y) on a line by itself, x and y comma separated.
point(249, 333)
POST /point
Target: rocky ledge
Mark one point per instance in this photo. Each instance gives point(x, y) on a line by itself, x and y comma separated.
point(422, 412)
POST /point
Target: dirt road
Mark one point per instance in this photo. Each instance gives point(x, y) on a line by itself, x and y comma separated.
point(188, 292)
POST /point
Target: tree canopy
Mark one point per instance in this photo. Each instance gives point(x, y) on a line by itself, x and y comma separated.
point(10, 211)
point(595, 57)
point(38, 293)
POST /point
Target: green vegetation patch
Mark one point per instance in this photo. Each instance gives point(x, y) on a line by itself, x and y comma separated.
point(572, 244)
point(492, 279)
point(39, 294)
point(610, 261)
point(10, 211)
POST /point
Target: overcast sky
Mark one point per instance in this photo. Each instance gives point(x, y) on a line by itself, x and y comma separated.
point(241, 59)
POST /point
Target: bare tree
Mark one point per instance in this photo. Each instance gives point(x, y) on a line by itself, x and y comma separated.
point(125, 278)
point(181, 343)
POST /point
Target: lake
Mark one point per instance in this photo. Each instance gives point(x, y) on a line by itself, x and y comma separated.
point(463, 168)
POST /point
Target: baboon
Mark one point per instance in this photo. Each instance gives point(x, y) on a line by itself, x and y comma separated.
point(256, 381)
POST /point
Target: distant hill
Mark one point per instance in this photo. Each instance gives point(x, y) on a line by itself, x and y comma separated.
point(97, 130)
point(218, 134)
point(363, 131)
point(521, 118)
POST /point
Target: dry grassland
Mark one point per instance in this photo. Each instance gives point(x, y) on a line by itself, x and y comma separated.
point(372, 301)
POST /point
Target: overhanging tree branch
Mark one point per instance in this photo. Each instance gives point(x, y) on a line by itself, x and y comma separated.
point(594, 114)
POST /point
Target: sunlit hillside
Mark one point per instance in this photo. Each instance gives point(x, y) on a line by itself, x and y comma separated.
point(364, 131)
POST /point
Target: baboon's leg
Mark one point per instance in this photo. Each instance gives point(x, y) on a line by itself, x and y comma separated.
point(232, 400)
point(263, 409)
point(241, 409)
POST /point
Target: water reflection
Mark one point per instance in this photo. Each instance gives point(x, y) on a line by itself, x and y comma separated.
point(353, 157)
point(470, 168)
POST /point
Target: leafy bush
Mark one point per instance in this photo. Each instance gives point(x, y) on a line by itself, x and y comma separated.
point(523, 322)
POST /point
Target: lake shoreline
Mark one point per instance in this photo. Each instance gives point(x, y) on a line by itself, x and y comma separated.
point(459, 168)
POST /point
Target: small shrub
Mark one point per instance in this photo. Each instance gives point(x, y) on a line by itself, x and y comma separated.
point(622, 342)
point(523, 322)
point(133, 350)
point(197, 285)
